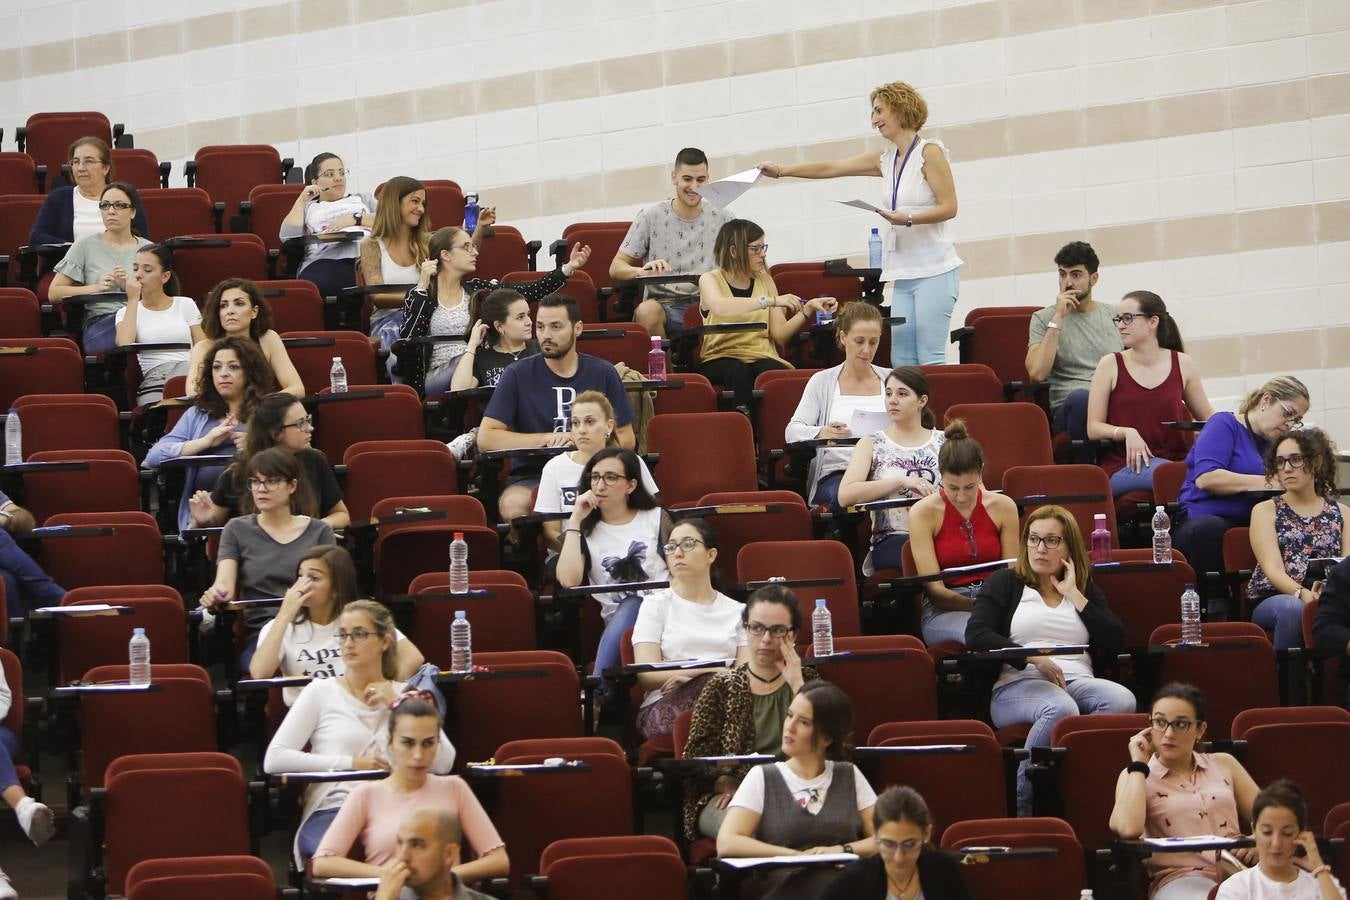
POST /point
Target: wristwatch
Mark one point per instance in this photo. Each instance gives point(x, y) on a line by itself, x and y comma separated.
point(848, 848)
point(1054, 325)
point(909, 223)
point(763, 302)
point(358, 215)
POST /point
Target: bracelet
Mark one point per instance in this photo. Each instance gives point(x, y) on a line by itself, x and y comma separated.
point(1115, 435)
point(1320, 870)
point(567, 531)
point(1141, 768)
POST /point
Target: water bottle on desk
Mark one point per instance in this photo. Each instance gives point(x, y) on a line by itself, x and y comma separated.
point(1162, 537)
point(461, 643)
point(823, 317)
point(656, 361)
point(337, 377)
point(13, 439)
point(459, 564)
point(470, 212)
point(1101, 539)
point(874, 250)
point(1190, 616)
point(822, 630)
point(139, 651)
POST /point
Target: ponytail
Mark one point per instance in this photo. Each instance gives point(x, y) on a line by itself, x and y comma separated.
point(914, 378)
point(1150, 304)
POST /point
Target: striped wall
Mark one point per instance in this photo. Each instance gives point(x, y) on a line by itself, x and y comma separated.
point(1202, 146)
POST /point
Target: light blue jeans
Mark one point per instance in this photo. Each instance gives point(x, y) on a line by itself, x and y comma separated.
point(938, 625)
point(607, 652)
point(1283, 615)
point(1124, 480)
point(1041, 703)
point(926, 304)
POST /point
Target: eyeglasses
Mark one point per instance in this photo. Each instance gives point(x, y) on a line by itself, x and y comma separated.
point(120, 205)
point(270, 484)
point(335, 173)
point(356, 634)
point(467, 247)
point(609, 478)
point(890, 848)
point(85, 161)
point(306, 422)
point(1290, 414)
point(685, 545)
point(1127, 318)
point(758, 249)
point(968, 529)
point(1180, 726)
point(1297, 461)
point(759, 629)
point(1048, 541)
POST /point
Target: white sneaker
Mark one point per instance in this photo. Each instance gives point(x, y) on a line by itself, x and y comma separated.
point(37, 821)
point(463, 445)
point(7, 891)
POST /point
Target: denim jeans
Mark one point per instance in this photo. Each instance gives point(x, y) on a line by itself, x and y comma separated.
point(938, 625)
point(886, 552)
point(9, 748)
point(1071, 415)
point(312, 830)
point(1283, 615)
point(926, 305)
point(827, 491)
point(26, 585)
point(1041, 703)
point(1124, 480)
point(100, 334)
point(607, 652)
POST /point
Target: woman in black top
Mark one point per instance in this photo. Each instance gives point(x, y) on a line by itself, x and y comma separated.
point(279, 420)
point(906, 863)
point(500, 335)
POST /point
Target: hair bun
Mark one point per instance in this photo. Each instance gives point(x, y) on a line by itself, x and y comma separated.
point(955, 430)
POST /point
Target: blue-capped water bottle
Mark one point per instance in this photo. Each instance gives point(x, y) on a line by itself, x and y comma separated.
point(470, 212)
point(874, 250)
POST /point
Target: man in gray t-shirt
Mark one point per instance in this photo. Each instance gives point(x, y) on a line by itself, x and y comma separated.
point(673, 237)
point(1068, 339)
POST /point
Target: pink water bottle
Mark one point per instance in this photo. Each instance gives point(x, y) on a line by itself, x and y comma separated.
point(1101, 539)
point(656, 361)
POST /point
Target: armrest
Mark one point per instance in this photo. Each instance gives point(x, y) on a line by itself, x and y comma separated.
point(40, 176)
point(164, 169)
point(557, 249)
point(190, 172)
point(532, 249)
point(287, 164)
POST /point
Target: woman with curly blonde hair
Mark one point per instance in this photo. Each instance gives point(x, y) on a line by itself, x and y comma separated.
point(918, 200)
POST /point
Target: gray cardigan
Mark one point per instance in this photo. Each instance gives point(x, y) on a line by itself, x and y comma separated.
point(813, 414)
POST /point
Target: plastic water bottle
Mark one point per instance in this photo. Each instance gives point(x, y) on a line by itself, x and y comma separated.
point(1162, 536)
point(1085, 894)
point(140, 657)
point(13, 439)
point(874, 250)
point(470, 212)
point(1101, 539)
point(656, 361)
point(337, 377)
point(822, 630)
point(459, 564)
point(461, 643)
point(823, 317)
point(1190, 616)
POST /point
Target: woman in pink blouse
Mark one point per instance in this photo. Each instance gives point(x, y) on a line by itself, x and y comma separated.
point(1169, 790)
point(374, 811)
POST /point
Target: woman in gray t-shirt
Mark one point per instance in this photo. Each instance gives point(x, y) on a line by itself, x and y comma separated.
point(100, 263)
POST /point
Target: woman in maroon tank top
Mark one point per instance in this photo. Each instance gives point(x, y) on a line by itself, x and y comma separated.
point(1134, 392)
point(960, 525)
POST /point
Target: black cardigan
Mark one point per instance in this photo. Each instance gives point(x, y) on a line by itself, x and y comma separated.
point(992, 615)
point(939, 876)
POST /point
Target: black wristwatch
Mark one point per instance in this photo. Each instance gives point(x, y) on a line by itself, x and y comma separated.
point(848, 848)
point(358, 215)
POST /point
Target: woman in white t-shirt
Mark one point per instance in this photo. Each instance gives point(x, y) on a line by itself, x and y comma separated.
point(302, 639)
point(155, 314)
point(900, 462)
point(397, 244)
point(689, 620)
point(325, 208)
point(614, 536)
point(812, 802)
point(1280, 826)
point(559, 483)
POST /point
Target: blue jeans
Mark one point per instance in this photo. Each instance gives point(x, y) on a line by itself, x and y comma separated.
point(1041, 703)
point(1124, 480)
point(312, 830)
point(100, 334)
point(26, 585)
point(938, 625)
point(886, 552)
point(330, 276)
point(387, 331)
point(1283, 615)
point(607, 652)
point(1071, 415)
point(9, 748)
point(926, 304)
point(827, 491)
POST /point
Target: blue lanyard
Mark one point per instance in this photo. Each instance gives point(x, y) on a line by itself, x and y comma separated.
point(900, 170)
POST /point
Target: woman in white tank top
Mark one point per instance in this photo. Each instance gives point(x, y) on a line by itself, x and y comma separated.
point(397, 244)
point(918, 253)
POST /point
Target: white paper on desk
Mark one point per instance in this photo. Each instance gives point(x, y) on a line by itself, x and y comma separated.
point(860, 204)
point(815, 859)
point(120, 687)
point(868, 421)
point(89, 609)
point(366, 882)
point(1193, 840)
point(723, 192)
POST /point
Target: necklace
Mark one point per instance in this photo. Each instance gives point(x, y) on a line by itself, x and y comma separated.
point(908, 884)
point(761, 678)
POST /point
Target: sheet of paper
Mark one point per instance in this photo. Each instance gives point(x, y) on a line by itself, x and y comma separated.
point(865, 422)
point(756, 862)
point(351, 882)
point(723, 192)
point(1196, 840)
point(88, 609)
point(860, 204)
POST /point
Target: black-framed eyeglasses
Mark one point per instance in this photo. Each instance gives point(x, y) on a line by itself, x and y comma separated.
point(306, 422)
point(684, 545)
point(356, 634)
point(120, 205)
point(1294, 461)
point(609, 478)
point(1048, 541)
point(759, 629)
point(1127, 318)
point(258, 484)
point(1180, 726)
point(890, 848)
point(335, 173)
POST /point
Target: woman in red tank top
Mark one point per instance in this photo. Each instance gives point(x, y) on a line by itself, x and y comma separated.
point(959, 525)
point(1134, 392)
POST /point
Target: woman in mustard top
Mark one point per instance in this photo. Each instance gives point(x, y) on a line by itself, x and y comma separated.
point(740, 289)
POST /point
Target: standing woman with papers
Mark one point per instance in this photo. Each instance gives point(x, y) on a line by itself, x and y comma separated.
point(1170, 791)
point(918, 249)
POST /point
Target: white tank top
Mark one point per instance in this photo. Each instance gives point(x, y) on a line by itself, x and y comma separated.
point(919, 251)
point(391, 273)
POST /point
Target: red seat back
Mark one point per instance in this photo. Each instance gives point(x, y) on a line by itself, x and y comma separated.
point(578, 286)
point(702, 453)
point(376, 475)
point(631, 348)
point(1239, 676)
point(92, 641)
point(1096, 749)
point(111, 483)
point(49, 136)
point(1144, 600)
point(132, 554)
point(1063, 875)
point(296, 304)
point(344, 419)
point(175, 212)
point(763, 560)
point(18, 174)
point(39, 366)
point(18, 212)
point(312, 353)
point(749, 516)
point(20, 313)
point(229, 171)
point(199, 269)
point(889, 678)
point(138, 167)
point(1011, 434)
point(1026, 482)
point(957, 785)
point(202, 878)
